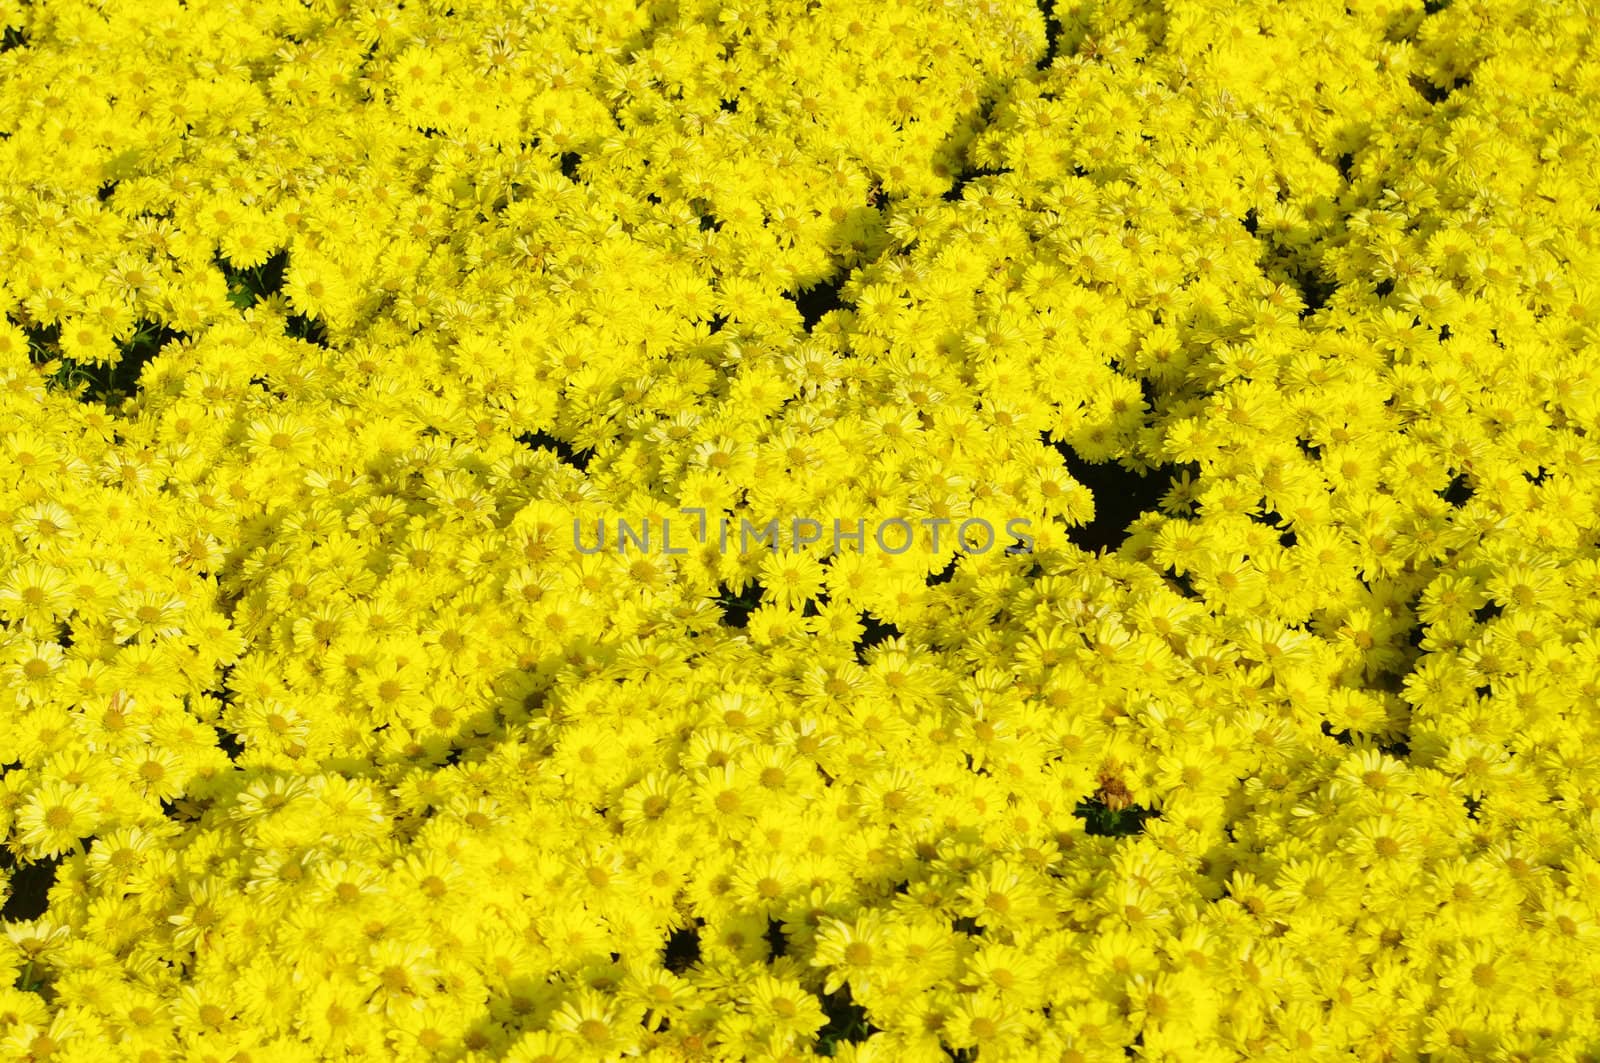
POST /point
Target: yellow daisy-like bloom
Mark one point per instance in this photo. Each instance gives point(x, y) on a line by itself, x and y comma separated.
point(785, 1007)
point(851, 952)
point(55, 817)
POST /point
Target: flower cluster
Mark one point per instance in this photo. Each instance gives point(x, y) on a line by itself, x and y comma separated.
point(325, 323)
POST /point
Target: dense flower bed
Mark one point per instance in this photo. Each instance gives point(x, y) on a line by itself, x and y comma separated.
point(327, 324)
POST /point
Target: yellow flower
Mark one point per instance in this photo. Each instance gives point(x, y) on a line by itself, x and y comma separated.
point(852, 951)
point(35, 594)
point(784, 1007)
point(790, 578)
point(54, 817)
point(147, 615)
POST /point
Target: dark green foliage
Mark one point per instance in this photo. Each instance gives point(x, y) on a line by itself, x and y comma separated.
point(569, 455)
point(876, 631)
point(30, 886)
point(736, 608)
point(107, 384)
point(819, 299)
point(682, 949)
point(847, 1022)
point(1099, 819)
